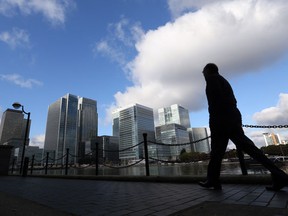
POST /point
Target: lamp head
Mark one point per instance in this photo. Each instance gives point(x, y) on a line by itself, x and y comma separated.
point(16, 105)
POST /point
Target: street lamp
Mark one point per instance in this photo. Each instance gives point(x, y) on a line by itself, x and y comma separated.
point(17, 105)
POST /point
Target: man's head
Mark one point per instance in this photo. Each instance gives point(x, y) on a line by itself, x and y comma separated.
point(210, 69)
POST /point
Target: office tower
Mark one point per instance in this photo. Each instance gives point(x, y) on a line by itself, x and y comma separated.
point(272, 139)
point(174, 114)
point(172, 129)
point(71, 121)
point(87, 124)
point(129, 124)
point(109, 146)
point(13, 126)
point(198, 134)
point(12, 131)
point(172, 134)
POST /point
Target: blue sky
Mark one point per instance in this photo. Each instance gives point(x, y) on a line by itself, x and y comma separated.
point(149, 52)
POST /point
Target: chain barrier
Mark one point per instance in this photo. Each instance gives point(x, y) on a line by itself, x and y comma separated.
point(121, 167)
point(180, 144)
point(50, 165)
point(265, 126)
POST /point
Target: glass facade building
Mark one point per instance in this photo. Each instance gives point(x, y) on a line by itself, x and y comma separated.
point(129, 124)
point(198, 134)
point(172, 134)
point(174, 114)
point(71, 120)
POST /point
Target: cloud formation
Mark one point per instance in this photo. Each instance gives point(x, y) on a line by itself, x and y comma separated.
point(15, 38)
point(120, 40)
point(20, 81)
point(53, 10)
point(276, 115)
point(169, 61)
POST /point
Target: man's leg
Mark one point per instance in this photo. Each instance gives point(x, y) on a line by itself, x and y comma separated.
point(280, 179)
point(219, 143)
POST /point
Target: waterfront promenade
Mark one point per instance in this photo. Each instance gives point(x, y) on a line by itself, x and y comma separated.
point(87, 196)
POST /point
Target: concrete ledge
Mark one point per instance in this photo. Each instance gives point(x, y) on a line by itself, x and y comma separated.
point(225, 179)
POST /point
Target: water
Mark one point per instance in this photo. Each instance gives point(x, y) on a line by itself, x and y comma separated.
point(194, 169)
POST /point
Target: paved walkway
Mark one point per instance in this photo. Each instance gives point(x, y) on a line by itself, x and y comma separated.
point(56, 196)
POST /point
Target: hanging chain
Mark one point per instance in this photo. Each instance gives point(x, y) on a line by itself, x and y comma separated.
point(265, 126)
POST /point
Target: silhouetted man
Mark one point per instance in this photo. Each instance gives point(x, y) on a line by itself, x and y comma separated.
point(225, 123)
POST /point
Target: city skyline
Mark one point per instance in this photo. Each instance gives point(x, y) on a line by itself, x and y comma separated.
point(147, 52)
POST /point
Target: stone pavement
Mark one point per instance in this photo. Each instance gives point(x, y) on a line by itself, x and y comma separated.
point(60, 197)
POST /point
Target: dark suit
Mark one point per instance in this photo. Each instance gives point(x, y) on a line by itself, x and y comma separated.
point(226, 123)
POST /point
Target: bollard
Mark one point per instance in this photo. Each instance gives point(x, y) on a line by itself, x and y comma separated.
point(96, 160)
point(46, 167)
point(67, 160)
point(13, 164)
point(25, 166)
point(146, 154)
point(32, 164)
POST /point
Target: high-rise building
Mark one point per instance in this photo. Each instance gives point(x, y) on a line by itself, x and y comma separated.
point(87, 124)
point(129, 124)
point(198, 134)
point(12, 131)
point(272, 139)
point(174, 114)
point(71, 121)
point(172, 134)
point(13, 127)
point(172, 129)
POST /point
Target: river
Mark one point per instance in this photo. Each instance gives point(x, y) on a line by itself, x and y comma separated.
point(196, 169)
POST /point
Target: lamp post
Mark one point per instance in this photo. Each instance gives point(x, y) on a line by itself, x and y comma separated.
point(17, 105)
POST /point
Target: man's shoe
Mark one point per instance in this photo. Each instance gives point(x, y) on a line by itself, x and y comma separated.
point(208, 185)
point(278, 183)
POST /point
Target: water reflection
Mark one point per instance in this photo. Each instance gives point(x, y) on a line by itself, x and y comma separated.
point(196, 169)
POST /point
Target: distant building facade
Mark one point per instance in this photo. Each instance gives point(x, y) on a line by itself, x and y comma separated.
point(12, 132)
point(174, 114)
point(13, 127)
point(171, 134)
point(173, 123)
point(271, 139)
point(71, 121)
point(129, 124)
point(198, 134)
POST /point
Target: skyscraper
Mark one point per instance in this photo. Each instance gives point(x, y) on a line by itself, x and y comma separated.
point(198, 134)
point(12, 126)
point(71, 120)
point(12, 130)
point(174, 114)
point(129, 124)
point(272, 139)
point(172, 129)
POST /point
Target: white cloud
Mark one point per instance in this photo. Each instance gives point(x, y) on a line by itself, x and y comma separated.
point(20, 81)
point(179, 7)
point(276, 115)
point(15, 38)
point(120, 40)
point(53, 10)
point(170, 59)
point(37, 140)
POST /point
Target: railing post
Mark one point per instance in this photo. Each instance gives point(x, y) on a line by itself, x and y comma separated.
point(32, 164)
point(146, 154)
point(242, 161)
point(25, 166)
point(13, 164)
point(46, 167)
point(97, 159)
point(67, 160)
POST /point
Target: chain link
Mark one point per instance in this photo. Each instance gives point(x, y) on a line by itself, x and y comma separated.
point(265, 126)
